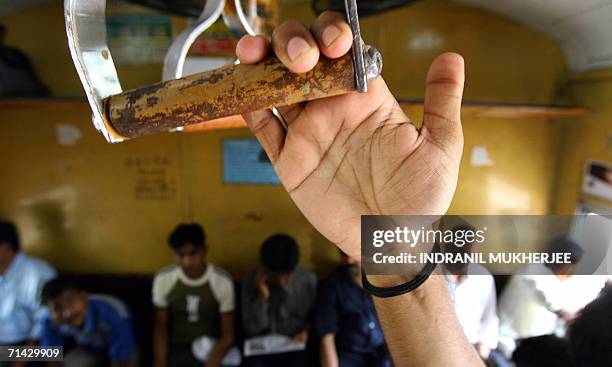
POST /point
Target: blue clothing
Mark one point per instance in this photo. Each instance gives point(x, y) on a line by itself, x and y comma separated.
point(346, 310)
point(107, 330)
point(21, 313)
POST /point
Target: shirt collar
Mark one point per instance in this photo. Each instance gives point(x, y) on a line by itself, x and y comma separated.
point(198, 281)
point(13, 267)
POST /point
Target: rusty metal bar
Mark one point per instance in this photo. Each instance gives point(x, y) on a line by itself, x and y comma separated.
point(224, 92)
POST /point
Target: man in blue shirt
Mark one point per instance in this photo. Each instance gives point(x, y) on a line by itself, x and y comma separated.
point(346, 321)
point(100, 325)
point(21, 280)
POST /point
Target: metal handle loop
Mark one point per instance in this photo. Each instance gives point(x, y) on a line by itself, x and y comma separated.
point(174, 62)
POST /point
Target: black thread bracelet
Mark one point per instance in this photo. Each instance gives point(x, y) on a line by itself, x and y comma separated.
point(402, 288)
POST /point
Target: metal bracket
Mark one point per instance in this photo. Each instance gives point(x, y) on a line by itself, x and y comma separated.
point(86, 30)
point(352, 16)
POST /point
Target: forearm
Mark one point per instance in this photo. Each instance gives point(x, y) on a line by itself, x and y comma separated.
point(218, 352)
point(160, 347)
point(421, 328)
point(329, 354)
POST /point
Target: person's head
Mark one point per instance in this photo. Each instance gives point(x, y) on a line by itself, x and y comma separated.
point(66, 301)
point(590, 335)
point(542, 351)
point(279, 256)
point(188, 241)
point(565, 245)
point(9, 242)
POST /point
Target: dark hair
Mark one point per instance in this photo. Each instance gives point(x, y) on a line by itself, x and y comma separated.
point(58, 285)
point(590, 335)
point(2, 31)
point(279, 254)
point(565, 244)
point(187, 234)
point(8, 234)
point(542, 351)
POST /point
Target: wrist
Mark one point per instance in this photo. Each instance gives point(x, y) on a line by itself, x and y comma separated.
point(392, 285)
point(386, 281)
point(427, 296)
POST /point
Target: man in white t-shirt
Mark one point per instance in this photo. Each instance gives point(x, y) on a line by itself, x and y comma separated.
point(473, 293)
point(193, 298)
point(474, 299)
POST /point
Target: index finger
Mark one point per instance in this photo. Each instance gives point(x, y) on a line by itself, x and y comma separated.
point(252, 49)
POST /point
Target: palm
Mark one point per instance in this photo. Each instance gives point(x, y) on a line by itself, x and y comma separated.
point(358, 154)
point(339, 162)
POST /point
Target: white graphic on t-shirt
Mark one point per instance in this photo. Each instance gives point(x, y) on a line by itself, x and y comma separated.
point(193, 303)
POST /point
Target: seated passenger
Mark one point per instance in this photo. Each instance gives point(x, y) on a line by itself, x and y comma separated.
point(346, 321)
point(590, 335)
point(588, 342)
point(543, 351)
point(21, 280)
point(534, 304)
point(473, 293)
point(100, 325)
point(193, 299)
point(278, 298)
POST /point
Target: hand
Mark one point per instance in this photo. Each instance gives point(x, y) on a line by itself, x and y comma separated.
point(483, 351)
point(301, 337)
point(567, 316)
point(355, 154)
point(263, 292)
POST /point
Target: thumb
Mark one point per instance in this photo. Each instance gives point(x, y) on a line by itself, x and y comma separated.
point(443, 95)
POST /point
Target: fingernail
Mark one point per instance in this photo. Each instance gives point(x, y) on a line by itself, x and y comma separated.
point(296, 47)
point(330, 35)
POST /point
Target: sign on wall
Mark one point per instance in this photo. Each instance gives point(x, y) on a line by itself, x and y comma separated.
point(245, 162)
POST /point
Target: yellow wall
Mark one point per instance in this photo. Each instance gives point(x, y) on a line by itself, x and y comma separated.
point(76, 205)
point(590, 139)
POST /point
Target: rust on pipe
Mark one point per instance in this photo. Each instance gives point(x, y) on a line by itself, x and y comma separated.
point(223, 92)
